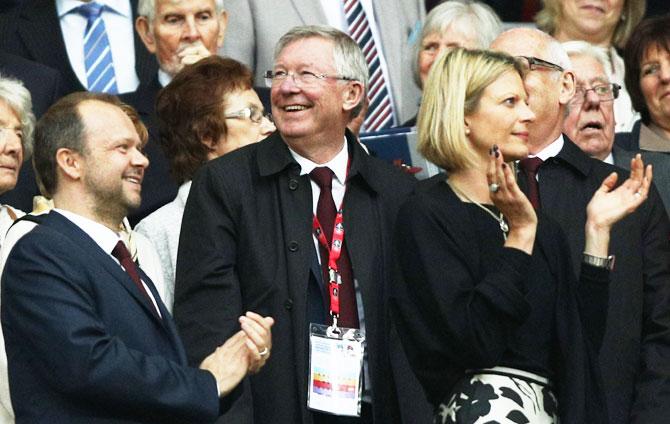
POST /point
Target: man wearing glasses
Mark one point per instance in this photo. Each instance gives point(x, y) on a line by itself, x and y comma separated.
point(633, 364)
point(278, 225)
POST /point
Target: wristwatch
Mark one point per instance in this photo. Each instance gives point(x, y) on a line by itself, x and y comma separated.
point(598, 262)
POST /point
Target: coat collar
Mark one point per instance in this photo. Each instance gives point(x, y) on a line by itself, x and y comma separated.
point(573, 156)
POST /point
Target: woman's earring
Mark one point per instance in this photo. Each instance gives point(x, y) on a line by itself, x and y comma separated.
point(467, 131)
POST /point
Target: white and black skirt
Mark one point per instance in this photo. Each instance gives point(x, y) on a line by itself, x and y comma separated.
point(499, 395)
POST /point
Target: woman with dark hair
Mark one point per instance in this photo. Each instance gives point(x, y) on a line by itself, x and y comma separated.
point(647, 58)
point(486, 303)
point(207, 110)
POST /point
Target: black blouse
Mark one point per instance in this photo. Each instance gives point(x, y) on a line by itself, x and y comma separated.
point(464, 301)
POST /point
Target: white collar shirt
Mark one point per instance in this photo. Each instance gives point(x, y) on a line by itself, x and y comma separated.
point(119, 25)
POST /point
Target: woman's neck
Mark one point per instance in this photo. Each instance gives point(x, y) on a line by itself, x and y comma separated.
point(471, 182)
point(601, 39)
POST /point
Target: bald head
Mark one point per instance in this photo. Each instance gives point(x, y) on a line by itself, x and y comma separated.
point(549, 89)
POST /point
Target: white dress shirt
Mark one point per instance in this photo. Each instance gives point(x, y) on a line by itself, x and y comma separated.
point(549, 152)
point(120, 31)
point(334, 11)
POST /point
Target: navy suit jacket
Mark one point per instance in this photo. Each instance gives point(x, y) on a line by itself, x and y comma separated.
point(33, 31)
point(84, 346)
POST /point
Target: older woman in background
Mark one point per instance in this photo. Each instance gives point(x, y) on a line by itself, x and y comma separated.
point(207, 110)
point(647, 57)
point(451, 24)
point(486, 304)
point(17, 123)
point(606, 24)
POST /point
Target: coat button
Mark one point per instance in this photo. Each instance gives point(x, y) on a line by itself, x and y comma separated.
point(288, 304)
point(293, 246)
point(293, 184)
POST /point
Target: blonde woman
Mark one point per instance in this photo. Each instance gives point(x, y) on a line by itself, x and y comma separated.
point(486, 304)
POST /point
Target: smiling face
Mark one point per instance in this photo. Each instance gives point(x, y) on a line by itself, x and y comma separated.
point(590, 20)
point(182, 31)
point(11, 150)
point(316, 112)
point(501, 118)
point(655, 85)
point(437, 42)
point(113, 163)
point(590, 123)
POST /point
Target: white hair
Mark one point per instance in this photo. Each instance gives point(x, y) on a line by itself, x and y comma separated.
point(584, 48)
point(17, 97)
point(147, 8)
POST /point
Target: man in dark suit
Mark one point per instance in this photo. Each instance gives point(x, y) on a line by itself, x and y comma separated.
point(88, 339)
point(34, 30)
point(44, 85)
point(633, 357)
point(247, 237)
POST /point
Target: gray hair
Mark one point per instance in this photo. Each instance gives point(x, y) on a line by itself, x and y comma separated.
point(147, 8)
point(464, 13)
point(17, 97)
point(347, 55)
point(584, 48)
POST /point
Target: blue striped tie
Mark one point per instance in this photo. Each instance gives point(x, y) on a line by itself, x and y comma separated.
point(380, 109)
point(97, 51)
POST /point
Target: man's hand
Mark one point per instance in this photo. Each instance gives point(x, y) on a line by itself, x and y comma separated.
point(192, 53)
point(259, 339)
point(228, 363)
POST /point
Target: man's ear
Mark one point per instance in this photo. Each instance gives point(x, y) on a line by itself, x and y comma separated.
point(352, 95)
point(143, 28)
point(70, 163)
point(568, 87)
point(223, 24)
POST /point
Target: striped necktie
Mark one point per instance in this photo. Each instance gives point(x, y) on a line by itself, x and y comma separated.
point(380, 109)
point(100, 76)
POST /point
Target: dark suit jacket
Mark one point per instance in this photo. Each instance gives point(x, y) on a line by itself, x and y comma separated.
point(661, 165)
point(84, 346)
point(636, 346)
point(246, 244)
point(44, 85)
point(33, 31)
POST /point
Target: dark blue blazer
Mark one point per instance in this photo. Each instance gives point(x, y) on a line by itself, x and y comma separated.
point(84, 346)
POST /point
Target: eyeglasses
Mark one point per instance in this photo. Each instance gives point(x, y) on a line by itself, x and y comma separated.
point(605, 93)
point(533, 63)
point(303, 79)
point(251, 113)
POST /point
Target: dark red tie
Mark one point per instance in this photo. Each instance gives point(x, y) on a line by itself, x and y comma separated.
point(122, 254)
point(530, 167)
point(325, 213)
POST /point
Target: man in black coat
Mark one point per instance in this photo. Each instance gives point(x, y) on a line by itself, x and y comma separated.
point(247, 238)
point(633, 357)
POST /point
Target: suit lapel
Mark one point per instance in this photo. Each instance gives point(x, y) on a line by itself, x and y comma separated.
point(40, 31)
point(310, 11)
point(89, 247)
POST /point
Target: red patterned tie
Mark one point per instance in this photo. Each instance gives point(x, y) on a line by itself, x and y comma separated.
point(325, 213)
point(530, 167)
point(380, 109)
point(123, 256)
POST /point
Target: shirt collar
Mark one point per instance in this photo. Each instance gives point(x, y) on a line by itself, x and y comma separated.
point(551, 150)
point(123, 8)
point(609, 159)
point(101, 235)
point(163, 78)
point(338, 164)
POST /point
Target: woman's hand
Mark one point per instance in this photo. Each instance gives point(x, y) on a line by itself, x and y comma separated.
point(609, 205)
point(513, 204)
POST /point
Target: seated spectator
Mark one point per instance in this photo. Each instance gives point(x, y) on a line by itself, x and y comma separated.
point(207, 110)
point(606, 25)
point(454, 23)
point(647, 57)
point(590, 122)
point(16, 131)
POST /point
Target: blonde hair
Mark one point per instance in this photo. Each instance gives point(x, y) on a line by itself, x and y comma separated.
point(632, 13)
point(454, 86)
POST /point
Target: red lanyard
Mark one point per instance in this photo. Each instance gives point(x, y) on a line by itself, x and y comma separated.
point(334, 252)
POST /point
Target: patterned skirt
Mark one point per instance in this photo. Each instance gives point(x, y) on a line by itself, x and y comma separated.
point(499, 395)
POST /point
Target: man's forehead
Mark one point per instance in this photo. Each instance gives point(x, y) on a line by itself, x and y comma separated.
point(163, 6)
point(302, 52)
point(523, 44)
point(588, 69)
